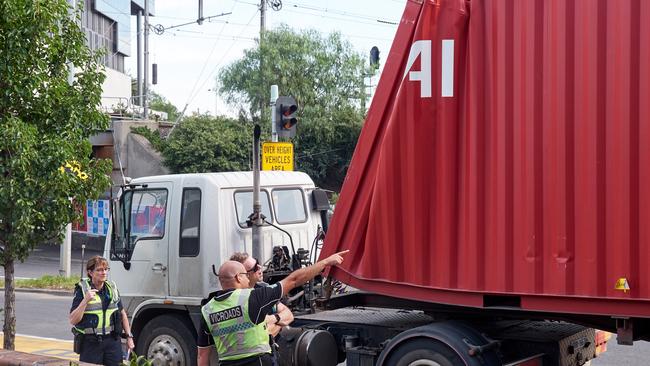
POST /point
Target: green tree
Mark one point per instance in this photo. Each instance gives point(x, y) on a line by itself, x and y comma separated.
point(203, 143)
point(45, 122)
point(325, 144)
point(325, 76)
point(160, 103)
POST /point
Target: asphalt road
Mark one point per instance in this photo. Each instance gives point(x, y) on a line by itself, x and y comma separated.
point(41, 314)
point(616, 355)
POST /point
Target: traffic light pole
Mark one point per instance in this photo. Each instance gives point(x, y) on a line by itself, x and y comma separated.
point(274, 97)
point(257, 206)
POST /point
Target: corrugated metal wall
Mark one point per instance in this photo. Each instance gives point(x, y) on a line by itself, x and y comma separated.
point(534, 178)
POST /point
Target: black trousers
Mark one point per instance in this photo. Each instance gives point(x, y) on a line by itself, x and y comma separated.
point(101, 350)
point(264, 359)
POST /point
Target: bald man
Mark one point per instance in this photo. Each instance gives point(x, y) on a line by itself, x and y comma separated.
point(282, 315)
point(234, 318)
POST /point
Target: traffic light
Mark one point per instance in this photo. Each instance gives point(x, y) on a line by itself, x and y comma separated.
point(286, 117)
point(374, 58)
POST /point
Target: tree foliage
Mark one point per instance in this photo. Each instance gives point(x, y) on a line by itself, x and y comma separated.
point(45, 123)
point(325, 76)
point(203, 143)
point(160, 103)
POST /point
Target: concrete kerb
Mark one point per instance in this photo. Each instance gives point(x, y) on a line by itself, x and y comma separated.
point(15, 358)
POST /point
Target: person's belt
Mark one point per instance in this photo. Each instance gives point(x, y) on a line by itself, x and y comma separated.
point(101, 337)
point(93, 331)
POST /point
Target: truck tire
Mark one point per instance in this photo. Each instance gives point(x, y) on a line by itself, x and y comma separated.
point(168, 340)
point(424, 352)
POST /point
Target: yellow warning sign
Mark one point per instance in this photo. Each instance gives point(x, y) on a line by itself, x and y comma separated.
point(621, 284)
point(277, 156)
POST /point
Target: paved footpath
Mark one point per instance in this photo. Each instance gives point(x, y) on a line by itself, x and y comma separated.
point(44, 346)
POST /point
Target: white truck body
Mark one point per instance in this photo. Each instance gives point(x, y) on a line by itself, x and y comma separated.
point(182, 225)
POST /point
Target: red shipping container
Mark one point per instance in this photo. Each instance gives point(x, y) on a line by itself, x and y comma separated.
point(506, 152)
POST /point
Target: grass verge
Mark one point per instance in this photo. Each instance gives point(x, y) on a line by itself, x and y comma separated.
point(46, 282)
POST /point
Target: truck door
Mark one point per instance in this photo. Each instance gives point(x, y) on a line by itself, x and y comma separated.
point(150, 231)
point(186, 270)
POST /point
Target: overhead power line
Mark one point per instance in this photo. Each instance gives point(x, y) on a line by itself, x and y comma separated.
point(216, 67)
point(353, 16)
point(355, 21)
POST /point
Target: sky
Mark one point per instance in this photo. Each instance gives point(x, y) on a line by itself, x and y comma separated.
point(190, 57)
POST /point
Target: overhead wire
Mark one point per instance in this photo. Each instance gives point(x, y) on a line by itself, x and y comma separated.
point(376, 23)
point(357, 16)
point(193, 96)
point(205, 64)
point(200, 35)
point(338, 12)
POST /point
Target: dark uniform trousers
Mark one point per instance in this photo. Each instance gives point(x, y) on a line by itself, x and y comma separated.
point(260, 360)
point(101, 350)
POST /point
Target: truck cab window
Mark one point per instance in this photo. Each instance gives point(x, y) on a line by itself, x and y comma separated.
point(244, 206)
point(148, 211)
point(289, 205)
point(189, 244)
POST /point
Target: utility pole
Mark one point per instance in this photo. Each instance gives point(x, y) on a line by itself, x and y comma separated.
point(138, 23)
point(274, 97)
point(145, 87)
point(257, 206)
point(256, 217)
point(262, 29)
point(65, 253)
point(262, 17)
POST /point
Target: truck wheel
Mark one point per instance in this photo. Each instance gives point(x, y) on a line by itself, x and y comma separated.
point(424, 352)
point(168, 341)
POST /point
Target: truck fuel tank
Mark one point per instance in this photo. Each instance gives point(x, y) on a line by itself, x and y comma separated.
point(306, 347)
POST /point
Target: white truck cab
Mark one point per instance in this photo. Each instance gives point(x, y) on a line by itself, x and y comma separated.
point(167, 232)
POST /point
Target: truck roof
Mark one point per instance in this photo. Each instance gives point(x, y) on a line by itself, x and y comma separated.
point(505, 161)
point(238, 179)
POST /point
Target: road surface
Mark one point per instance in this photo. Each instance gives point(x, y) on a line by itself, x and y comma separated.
point(46, 315)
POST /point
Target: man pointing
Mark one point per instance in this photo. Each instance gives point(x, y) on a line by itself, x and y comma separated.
point(234, 319)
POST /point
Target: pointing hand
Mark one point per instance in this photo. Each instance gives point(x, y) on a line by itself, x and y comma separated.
point(336, 258)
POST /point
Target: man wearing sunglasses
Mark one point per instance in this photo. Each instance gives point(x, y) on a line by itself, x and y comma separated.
point(234, 318)
point(282, 315)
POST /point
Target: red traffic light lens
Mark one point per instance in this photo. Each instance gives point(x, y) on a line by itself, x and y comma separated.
point(289, 110)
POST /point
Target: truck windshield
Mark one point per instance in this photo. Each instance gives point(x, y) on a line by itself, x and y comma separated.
point(289, 205)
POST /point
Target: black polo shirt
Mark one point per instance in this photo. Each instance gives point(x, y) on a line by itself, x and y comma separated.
point(261, 303)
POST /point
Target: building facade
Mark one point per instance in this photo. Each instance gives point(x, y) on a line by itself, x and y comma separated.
point(107, 24)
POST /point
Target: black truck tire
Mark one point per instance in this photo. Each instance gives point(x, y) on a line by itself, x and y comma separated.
point(168, 340)
point(423, 352)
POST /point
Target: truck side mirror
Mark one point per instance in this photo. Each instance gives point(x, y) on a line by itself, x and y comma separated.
point(320, 202)
point(120, 232)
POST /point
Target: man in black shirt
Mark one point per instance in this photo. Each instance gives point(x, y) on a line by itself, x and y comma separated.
point(233, 319)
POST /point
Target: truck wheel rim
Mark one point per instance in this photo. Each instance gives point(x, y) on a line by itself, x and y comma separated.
point(165, 350)
point(424, 362)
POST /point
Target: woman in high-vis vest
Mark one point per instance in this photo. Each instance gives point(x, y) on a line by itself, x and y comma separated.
point(98, 317)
